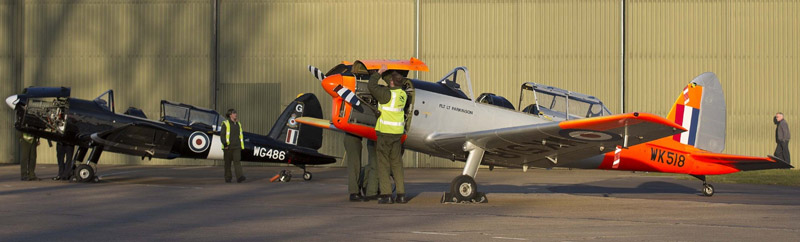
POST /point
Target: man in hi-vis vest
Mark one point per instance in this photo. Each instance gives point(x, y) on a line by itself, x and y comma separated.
point(232, 145)
point(389, 128)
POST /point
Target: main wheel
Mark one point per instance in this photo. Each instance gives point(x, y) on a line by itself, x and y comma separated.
point(463, 188)
point(307, 176)
point(708, 190)
point(84, 173)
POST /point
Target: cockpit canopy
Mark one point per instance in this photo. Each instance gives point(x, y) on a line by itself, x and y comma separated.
point(188, 115)
point(539, 99)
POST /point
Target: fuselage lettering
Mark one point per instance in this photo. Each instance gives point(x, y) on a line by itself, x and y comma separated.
point(269, 153)
point(672, 158)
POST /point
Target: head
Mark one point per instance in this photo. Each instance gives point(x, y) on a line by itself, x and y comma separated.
point(779, 117)
point(231, 114)
point(396, 79)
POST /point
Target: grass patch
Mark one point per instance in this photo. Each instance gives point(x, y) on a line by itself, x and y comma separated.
point(783, 177)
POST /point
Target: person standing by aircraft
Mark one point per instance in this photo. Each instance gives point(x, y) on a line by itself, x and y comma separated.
point(782, 137)
point(27, 163)
point(232, 145)
point(64, 155)
point(389, 130)
point(352, 147)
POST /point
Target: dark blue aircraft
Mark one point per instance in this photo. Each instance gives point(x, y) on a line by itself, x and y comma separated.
point(182, 131)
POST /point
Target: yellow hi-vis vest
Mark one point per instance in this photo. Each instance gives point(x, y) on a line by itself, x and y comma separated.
point(228, 133)
point(27, 137)
point(392, 119)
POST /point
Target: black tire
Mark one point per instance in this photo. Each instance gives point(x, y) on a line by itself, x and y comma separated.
point(307, 176)
point(708, 190)
point(463, 188)
point(84, 173)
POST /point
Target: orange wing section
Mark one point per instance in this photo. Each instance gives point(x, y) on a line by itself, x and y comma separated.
point(412, 64)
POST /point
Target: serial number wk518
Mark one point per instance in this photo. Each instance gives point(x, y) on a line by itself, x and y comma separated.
point(671, 158)
point(269, 153)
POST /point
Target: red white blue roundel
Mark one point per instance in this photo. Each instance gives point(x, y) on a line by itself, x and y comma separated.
point(199, 142)
point(588, 135)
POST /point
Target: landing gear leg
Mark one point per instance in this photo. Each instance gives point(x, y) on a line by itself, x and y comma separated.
point(85, 172)
point(306, 174)
point(708, 189)
point(463, 188)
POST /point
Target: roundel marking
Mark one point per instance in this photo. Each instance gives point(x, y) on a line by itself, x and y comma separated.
point(299, 108)
point(198, 142)
point(588, 135)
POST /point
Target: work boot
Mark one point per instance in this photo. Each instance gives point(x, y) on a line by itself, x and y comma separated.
point(34, 179)
point(401, 198)
point(385, 199)
point(356, 197)
point(227, 180)
point(24, 178)
point(241, 179)
point(56, 178)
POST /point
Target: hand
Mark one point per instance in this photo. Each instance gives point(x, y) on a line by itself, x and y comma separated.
point(383, 69)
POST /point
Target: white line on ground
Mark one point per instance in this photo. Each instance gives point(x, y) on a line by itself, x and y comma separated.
point(432, 233)
point(509, 238)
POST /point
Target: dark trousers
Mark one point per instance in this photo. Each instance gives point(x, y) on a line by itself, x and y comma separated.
point(369, 179)
point(64, 156)
point(233, 155)
point(782, 151)
point(27, 163)
point(371, 170)
point(352, 156)
point(390, 160)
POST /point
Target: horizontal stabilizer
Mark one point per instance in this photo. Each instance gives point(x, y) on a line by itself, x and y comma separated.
point(743, 163)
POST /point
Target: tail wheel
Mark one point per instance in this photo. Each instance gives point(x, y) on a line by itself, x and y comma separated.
point(84, 173)
point(463, 188)
point(307, 176)
point(708, 190)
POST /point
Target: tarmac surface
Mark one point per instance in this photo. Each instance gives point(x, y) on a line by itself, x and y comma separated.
point(160, 203)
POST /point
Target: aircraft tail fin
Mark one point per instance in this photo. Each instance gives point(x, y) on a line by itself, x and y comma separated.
point(288, 130)
point(701, 109)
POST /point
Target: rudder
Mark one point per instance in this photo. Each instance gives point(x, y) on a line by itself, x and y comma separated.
point(701, 109)
point(287, 130)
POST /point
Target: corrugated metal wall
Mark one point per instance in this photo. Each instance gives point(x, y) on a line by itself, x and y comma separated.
point(274, 41)
point(569, 44)
point(144, 50)
point(154, 49)
point(9, 74)
point(752, 46)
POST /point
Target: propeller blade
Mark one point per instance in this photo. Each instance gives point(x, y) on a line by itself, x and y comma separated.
point(316, 72)
point(348, 95)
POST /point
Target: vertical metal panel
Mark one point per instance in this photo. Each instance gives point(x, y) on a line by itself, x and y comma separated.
point(274, 41)
point(145, 50)
point(751, 45)
point(8, 76)
point(569, 44)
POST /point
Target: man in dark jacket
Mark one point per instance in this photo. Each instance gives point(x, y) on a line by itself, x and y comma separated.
point(782, 137)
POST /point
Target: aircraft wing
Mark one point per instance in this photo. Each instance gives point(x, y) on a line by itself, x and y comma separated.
point(743, 163)
point(138, 139)
point(561, 142)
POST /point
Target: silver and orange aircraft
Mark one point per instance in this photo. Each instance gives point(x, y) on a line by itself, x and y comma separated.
point(556, 127)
